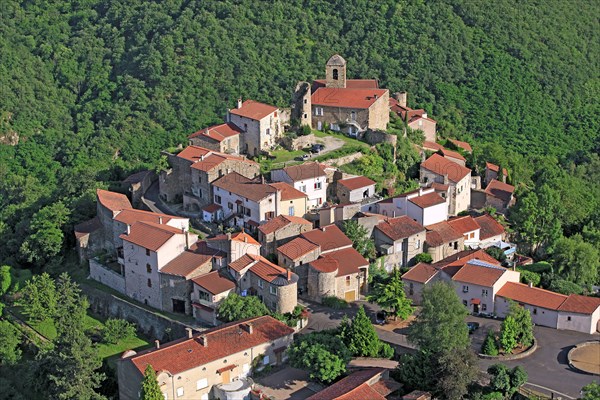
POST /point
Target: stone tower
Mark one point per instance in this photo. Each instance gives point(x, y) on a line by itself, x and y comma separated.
point(302, 104)
point(335, 72)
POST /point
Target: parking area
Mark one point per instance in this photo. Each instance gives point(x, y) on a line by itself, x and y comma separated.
point(287, 383)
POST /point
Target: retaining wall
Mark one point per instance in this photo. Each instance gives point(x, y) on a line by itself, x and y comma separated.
point(107, 276)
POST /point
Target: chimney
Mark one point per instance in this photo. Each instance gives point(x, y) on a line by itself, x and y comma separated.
point(248, 327)
point(239, 104)
point(228, 235)
point(530, 284)
point(420, 191)
point(128, 229)
point(446, 179)
point(401, 97)
point(289, 275)
point(424, 115)
point(204, 340)
point(157, 344)
point(160, 220)
point(375, 97)
point(245, 239)
point(187, 240)
point(190, 332)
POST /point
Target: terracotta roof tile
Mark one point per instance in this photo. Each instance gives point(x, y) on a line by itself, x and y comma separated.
point(204, 159)
point(272, 273)
point(580, 304)
point(288, 192)
point(421, 273)
point(427, 145)
point(501, 190)
point(214, 283)
point(281, 221)
point(346, 97)
point(439, 187)
point(489, 227)
point(453, 154)
point(237, 236)
point(351, 83)
point(481, 274)
point(199, 255)
point(131, 216)
point(414, 117)
point(349, 261)
point(354, 386)
point(87, 227)
point(440, 233)
point(522, 293)
point(464, 224)
point(329, 237)
point(193, 153)
point(243, 262)
point(218, 133)
point(150, 235)
point(357, 182)
point(452, 264)
point(113, 201)
point(442, 166)
point(495, 168)
point(296, 248)
point(244, 187)
point(222, 342)
point(212, 208)
point(305, 171)
point(254, 110)
point(460, 144)
point(399, 227)
point(427, 200)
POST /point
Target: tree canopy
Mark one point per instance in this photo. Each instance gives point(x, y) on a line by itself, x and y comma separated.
point(236, 307)
point(390, 296)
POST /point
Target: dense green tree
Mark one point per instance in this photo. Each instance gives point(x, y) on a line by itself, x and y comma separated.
point(590, 391)
point(576, 260)
point(489, 346)
point(150, 388)
point(565, 287)
point(359, 236)
point(391, 297)
point(236, 307)
point(524, 324)
point(117, 329)
point(508, 334)
point(441, 323)
point(505, 380)
point(10, 338)
point(456, 371)
point(361, 338)
point(5, 279)
point(424, 257)
point(323, 355)
point(46, 238)
point(39, 298)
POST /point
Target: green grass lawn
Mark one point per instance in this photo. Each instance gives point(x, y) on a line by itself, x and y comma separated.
point(283, 155)
point(345, 138)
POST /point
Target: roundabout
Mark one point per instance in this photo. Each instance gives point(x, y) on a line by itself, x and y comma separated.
point(585, 357)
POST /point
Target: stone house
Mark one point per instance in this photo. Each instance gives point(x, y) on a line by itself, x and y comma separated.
point(223, 138)
point(468, 227)
point(89, 237)
point(279, 231)
point(234, 245)
point(438, 169)
point(294, 200)
point(108, 206)
point(416, 278)
point(367, 384)
point(453, 156)
point(423, 205)
point(260, 123)
point(499, 195)
point(348, 105)
point(442, 240)
point(208, 291)
point(273, 285)
point(295, 255)
point(492, 172)
point(137, 184)
point(212, 364)
point(416, 119)
point(355, 189)
point(309, 178)
point(399, 240)
point(424, 124)
point(336, 214)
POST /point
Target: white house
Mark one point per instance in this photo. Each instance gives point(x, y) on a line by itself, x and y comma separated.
point(355, 189)
point(491, 231)
point(260, 124)
point(423, 205)
point(309, 178)
point(440, 170)
point(468, 227)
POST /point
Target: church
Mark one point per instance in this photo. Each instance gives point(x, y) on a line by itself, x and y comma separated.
point(352, 106)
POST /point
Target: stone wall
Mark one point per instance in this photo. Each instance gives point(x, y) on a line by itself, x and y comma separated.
point(152, 324)
point(375, 137)
point(299, 142)
point(343, 160)
point(107, 276)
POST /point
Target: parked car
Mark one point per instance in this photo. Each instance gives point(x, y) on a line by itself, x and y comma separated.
point(473, 326)
point(380, 317)
point(317, 148)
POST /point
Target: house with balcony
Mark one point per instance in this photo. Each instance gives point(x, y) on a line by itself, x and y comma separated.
point(309, 178)
point(261, 125)
point(215, 363)
point(440, 170)
point(423, 205)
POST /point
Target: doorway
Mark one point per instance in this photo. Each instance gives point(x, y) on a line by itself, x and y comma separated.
point(178, 306)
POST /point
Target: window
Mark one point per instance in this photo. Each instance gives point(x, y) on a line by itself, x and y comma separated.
point(318, 111)
point(411, 288)
point(472, 235)
point(534, 311)
point(305, 101)
point(484, 292)
point(303, 188)
point(217, 199)
point(260, 283)
point(147, 252)
point(230, 205)
point(336, 74)
point(348, 281)
point(179, 391)
point(202, 295)
point(269, 215)
point(455, 245)
point(291, 211)
point(201, 384)
point(247, 211)
point(266, 360)
point(318, 185)
point(464, 303)
point(148, 268)
point(268, 131)
point(305, 116)
point(568, 318)
point(484, 307)
point(319, 201)
point(465, 289)
point(149, 282)
point(418, 244)
point(353, 116)
point(273, 289)
point(199, 179)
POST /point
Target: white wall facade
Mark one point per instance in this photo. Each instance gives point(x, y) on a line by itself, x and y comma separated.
point(587, 323)
point(257, 209)
point(472, 238)
point(357, 195)
point(539, 316)
point(429, 215)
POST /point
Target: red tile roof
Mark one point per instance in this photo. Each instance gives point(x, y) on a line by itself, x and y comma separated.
point(439, 187)
point(131, 216)
point(204, 159)
point(222, 342)
point(296, 248)
point(414, 118)
point(212, 208)
point(501, 190)
point(427, 200)
point(351, 83)
point(329, 237)
point(305, 171)
point(399, 227)
point(442, 166)
point(479, 275)
point(87, 227)
point(460, 144)
point(452, 264)
point(189, 261)
point(325, 264)
point(218, 132)
point(353, 387)
point(580, 304)
point(288, 192)
point(495, 168)
point(281, 221)
point(522, 293)
point(421, 273)
point(346, 98)
point(272, 273)
point(404, 112)
point(113, 201)
point(440, 233)
point(194, 153)
point(489, 227)
point(453, 154)
point(244, 187)
point(237, 236)
point(254, 110)
point(357, 182)
point(464, 224)
point(243, 262)
point(427, 145)
point(150, 235)
point(214, 283)
point(348, 260)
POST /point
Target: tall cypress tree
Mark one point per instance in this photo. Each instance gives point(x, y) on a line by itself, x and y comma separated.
point(150, 388)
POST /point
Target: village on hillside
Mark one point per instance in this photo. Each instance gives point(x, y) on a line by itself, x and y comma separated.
point(263, 207)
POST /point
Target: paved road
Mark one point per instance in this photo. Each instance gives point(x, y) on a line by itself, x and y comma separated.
point(547, 367)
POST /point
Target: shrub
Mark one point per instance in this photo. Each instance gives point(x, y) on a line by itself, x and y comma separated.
point(424, 257)
point(565, 287)
point(530, 277)
point(489, 345)
point(334, 302)
point(538, 267)
point(117, 329)
point(497, 253)
point(305, 130)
